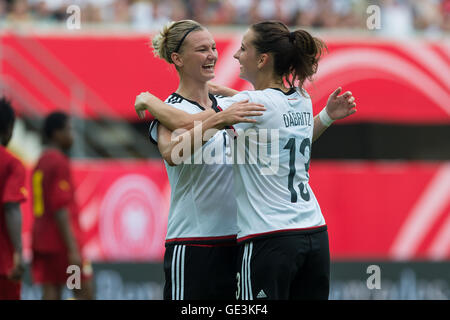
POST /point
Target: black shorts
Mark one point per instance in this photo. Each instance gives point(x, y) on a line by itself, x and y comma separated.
point(285, 267)
point(195, 272)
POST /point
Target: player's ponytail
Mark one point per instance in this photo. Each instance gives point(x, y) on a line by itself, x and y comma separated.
point(296, 54)
point(170, 39)
point(307, 53)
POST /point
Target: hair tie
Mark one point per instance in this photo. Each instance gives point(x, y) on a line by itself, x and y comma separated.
point(291, 36)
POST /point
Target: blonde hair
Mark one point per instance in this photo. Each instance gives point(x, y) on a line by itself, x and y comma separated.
point(170, 38)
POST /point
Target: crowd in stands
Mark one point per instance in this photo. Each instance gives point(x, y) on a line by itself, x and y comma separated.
point(415, 15)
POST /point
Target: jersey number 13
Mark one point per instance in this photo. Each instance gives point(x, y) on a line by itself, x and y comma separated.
point(304, 193)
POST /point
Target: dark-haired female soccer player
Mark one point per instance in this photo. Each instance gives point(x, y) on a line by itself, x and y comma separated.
point(284, 252)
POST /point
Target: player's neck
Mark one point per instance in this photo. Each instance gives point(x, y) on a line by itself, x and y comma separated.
point(264, 81)
point(197, 92)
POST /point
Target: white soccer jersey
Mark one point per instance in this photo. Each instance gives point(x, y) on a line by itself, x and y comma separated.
point(202, 203)
point(272, 192)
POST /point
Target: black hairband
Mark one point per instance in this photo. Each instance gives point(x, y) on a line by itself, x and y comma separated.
point(185, 35)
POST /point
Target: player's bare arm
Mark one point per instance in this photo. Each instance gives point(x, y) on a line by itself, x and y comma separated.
point(13, 217)
point(63, 223)
point(221, 90)
point(168, 140)
point(173, 118)
point(165, 144)
point(338, 107)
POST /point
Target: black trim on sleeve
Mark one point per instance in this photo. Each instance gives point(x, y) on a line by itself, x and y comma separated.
point(217, 108)
point(213, 99)
point(174, 98)
point(177, 98)
point(152, 124)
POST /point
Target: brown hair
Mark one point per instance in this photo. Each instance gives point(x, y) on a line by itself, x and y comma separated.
point(296, 54)
point(171, 38)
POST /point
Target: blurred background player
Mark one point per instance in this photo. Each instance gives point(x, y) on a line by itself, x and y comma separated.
point(12, 193)
point(57, 236)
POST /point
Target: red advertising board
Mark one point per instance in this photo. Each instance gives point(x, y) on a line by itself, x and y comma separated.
point(386, 210)
point(99, 76)
point(124, 206)
point(374, 210)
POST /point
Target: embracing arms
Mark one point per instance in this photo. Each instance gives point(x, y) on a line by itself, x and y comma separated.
point(338, 107)
point(176, 145)
point(173, 118)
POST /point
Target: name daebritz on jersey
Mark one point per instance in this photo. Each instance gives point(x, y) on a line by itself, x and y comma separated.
point(251, 146)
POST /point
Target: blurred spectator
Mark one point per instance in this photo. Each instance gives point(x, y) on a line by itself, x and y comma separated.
point(20, 12)
point(351, 13)
point(306, 13)
point(282, 10)
point(240, 10)
point(42, 12)
point(146, 14)
point(3, 9)
point(121, 12)
point(179, 10)
point(141, 12)
point(327, 17)
point(398, 16)
point(91, 13)
point(47, 10)
point(427, 15)
point(445, 11)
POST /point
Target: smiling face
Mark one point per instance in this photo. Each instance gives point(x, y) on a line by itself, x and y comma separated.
point(198, 56)
point(248, 57)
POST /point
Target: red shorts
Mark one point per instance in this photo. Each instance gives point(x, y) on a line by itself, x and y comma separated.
point(51, 268)
point(9, 290)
